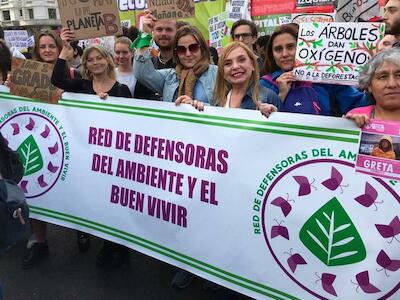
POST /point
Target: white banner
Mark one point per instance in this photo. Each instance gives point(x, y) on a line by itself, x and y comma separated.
point(270, 208)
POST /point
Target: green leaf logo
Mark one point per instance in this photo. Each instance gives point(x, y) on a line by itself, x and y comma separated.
point(30, 155)
point(332, 237)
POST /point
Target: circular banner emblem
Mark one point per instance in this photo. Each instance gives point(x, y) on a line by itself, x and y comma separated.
point(334, 232)
point(41, 148)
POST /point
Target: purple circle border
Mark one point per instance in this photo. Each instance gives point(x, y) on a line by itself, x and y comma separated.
point(62, 146)
point(396, 196)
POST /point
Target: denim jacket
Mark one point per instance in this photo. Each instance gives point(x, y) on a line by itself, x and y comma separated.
point(165, 81)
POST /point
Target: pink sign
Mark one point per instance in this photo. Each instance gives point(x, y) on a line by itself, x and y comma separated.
point(379, 150)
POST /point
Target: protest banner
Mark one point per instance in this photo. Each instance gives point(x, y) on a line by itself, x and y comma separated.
point(171, 9)
point(377, 152)
point(32, 79)
point(354, 10)
point(90, 18)
point(218, 30)
point(271, 7)
point(265, 207)
point(266, 24)
point(16, 38)
point(335, 52)
point(313, 18)
point(239, 9)
point(130, 12)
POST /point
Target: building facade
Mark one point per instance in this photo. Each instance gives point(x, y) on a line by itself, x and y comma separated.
point(31, 15)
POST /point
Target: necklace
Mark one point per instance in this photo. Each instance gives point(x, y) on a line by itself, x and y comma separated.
point(164, 62)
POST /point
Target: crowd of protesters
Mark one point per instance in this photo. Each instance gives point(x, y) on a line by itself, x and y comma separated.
point(250, 73)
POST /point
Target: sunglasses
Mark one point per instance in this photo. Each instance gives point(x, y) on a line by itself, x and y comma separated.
point(193, 48)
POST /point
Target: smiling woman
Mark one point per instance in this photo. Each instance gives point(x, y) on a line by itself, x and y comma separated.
point(237, 84)
point(193, 77)
point(98, 71)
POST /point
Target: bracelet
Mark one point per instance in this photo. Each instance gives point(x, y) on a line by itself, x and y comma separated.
point(143, 40)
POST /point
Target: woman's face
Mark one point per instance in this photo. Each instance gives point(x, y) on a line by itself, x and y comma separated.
point(96, 63)
point(238, 67)
point(188, 51)
point(123, 55)
point(48, 51)
point(385, 86)
point(385, 145)
point(284, 51)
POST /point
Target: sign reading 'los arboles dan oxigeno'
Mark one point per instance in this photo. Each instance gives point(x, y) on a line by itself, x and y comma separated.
point(90, 18)
point(335, 52)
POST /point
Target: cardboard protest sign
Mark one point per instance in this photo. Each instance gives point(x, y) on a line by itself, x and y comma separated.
point(16, 38)
point(353, 10)
point(335, 52)
point(378, 151)
point(90, 18)
point(171, 9)
point(313, 18)
point(32, 79)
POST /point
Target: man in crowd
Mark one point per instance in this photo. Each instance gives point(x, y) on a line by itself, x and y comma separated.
point(163, 34)
point(391, 17)
point(245, 31)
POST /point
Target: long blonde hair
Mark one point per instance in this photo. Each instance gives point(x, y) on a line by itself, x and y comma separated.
point(222, 86)
point(86, 74)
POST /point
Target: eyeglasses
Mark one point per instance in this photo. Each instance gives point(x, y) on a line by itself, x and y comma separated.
point(244, 36)
point(193, 48)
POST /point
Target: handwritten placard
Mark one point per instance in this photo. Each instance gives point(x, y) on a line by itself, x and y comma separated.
point(335, 52)
point(171, 9)
point(90, 18)
point(309, 17)
point(217, 29)
point(16, 38)
point(32, 79)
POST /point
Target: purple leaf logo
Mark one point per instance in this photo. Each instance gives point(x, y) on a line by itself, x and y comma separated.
point(335, 181)
point(283, 204)
point(369, 197)
point(305, 185)
point(23, 184)
point(52, 168)
point(53, 149)
point(391, 230)
point(15, 128)
point(327, 282)
point(387, 263)
point(41, 181)
point(279, 230)
point(31, 124)
point(363, 283)
point(45, 132)
point(294, 260)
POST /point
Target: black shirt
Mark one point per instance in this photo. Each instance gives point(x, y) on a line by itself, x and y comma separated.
point(83, 85)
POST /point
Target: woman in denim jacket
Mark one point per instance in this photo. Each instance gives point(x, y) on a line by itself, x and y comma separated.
point(194, 76)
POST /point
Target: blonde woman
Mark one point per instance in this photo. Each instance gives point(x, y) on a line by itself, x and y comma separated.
point(98, 71)
point(237, 84)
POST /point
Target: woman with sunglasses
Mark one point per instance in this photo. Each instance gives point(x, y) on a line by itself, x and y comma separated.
point(193, 77)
